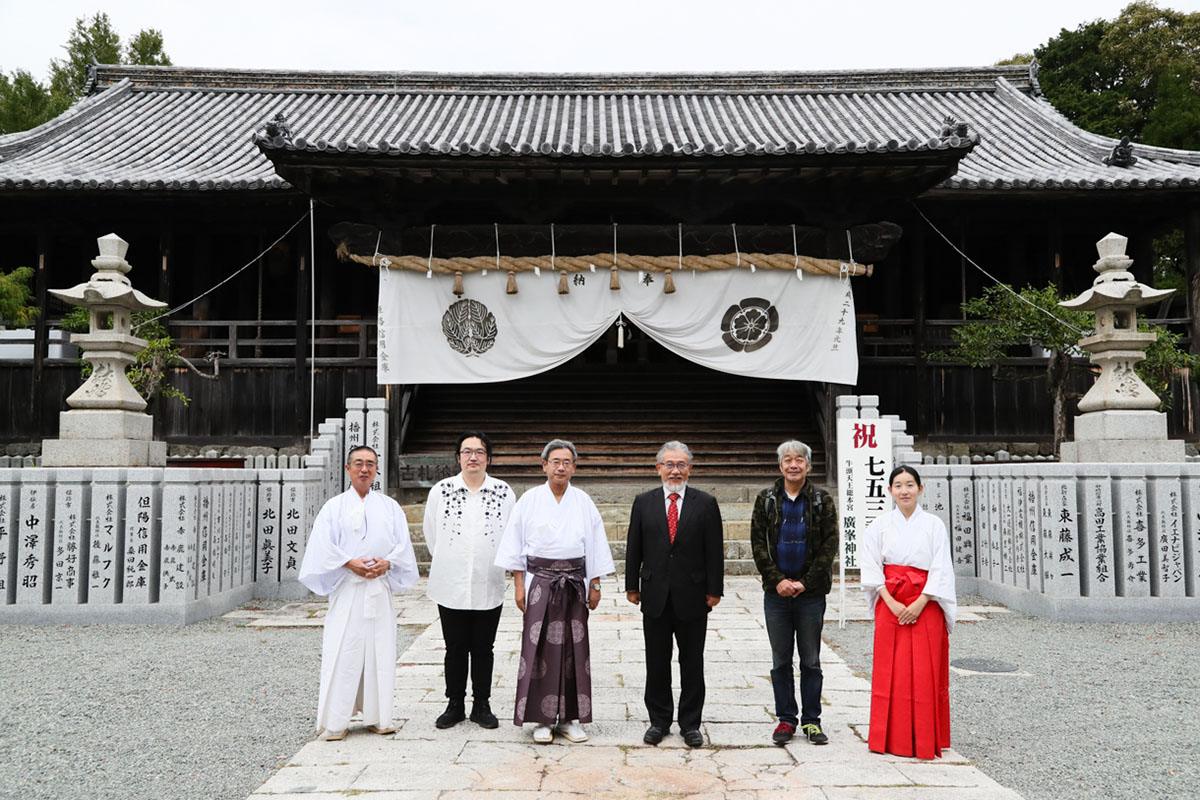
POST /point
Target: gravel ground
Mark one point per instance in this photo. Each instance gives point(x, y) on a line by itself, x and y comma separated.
point(1099, 711)
point(206, 711)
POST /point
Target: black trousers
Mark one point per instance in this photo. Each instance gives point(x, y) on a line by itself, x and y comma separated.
point(469, 633)
point(689, 635)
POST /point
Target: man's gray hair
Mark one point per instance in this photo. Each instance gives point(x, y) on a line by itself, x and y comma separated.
point(674, 444)
point(558, 444)
point(794, 446)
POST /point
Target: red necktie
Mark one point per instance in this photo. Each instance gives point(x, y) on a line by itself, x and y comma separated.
point(673, 516)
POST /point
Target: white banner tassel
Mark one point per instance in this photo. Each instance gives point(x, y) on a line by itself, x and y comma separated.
point(429, 268)
point(796, 254)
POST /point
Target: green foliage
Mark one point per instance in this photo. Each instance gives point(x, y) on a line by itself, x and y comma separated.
point(16, 298)
point(149, 373)
point(1015, 58)
point(1137, 75)
point(146, 49)
point(1169, 269)
point(1164, 359)
point(91, 41)
point(25, 103)
point(1002, 321)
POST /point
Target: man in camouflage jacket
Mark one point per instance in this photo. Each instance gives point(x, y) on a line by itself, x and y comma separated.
point(794, 536)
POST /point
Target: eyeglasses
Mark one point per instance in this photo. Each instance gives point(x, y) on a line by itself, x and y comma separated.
point(359, 464)
point(478, 453)
point(672, 465)
point(560, 462)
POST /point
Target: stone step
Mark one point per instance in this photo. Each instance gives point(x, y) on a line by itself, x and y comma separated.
point(737, 566)
point(612, 511)
point(734, 551)
point(618, 531)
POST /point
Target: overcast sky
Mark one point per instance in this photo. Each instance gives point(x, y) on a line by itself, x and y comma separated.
point(562, 36)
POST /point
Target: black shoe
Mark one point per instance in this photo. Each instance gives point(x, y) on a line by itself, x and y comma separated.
point(693, 738)
point(481, 715)
point(813, 732)
point(783, 733)
point(655, 734)
point(455, 713)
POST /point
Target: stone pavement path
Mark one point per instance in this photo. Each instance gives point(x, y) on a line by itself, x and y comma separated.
point(420, 762)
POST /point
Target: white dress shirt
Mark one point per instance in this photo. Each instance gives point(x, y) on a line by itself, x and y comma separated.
point(667, 491)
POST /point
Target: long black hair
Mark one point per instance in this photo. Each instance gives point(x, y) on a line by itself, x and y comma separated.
point(903, 468)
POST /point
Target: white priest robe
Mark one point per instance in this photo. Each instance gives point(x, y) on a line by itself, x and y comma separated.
point(920, 541)
point(543, 526)
point(358, 653)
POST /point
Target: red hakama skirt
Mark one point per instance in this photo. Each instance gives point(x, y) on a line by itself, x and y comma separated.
point(910, 674)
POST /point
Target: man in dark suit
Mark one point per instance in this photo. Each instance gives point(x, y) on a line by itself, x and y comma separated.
point(675, 569)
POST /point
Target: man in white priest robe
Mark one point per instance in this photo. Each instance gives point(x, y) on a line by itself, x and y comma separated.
point(359, 553)
point(557, 550)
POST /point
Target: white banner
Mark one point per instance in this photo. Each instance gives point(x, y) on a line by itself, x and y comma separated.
point(765, 324)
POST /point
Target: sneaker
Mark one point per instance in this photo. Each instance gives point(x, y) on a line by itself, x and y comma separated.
point(813, 732)
point(481, 715)
point(572, 731)
point(783, 733)
point(455, 713)
point(543, 734)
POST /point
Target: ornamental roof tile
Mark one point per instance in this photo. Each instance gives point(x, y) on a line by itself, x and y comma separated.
point(180, 129)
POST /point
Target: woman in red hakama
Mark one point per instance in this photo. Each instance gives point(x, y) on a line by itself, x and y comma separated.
point(908, 576)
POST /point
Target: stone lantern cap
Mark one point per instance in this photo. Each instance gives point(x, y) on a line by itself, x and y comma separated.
point(1115, 284)
point(108, 286)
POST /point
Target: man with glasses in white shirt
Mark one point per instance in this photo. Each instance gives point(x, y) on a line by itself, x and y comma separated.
point(465, 517)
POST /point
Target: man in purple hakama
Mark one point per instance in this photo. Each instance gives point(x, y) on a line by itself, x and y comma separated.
point(557, 550)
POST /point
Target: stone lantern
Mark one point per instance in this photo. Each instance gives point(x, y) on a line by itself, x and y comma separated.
point(1119, 420)
point(105, 426)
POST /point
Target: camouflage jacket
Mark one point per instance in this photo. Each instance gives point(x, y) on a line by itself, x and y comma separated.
point(821, 520)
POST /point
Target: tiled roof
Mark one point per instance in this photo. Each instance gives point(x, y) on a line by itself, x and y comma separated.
point(171, 128)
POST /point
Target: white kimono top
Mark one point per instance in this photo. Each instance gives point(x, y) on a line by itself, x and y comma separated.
point(542, 526)
point(463, 530)
point(920, 541)
point(349, 526)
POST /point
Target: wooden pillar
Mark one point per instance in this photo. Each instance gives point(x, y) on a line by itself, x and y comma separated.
point(920, 305)
point(1054, 249)
point(41, 337)
point(302, 321)
point(1191, 250)
point(166, 243)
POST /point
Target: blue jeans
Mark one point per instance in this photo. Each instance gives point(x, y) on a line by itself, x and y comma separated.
point(795, 622)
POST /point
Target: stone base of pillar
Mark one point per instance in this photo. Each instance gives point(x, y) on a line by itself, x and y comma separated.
point(105, 424)
point(103, 453)
point(1136, 437)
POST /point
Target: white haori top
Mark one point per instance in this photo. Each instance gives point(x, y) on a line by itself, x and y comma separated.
point(544, 527)
point(349, 526)
point(463, 530)
point(920, 541)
